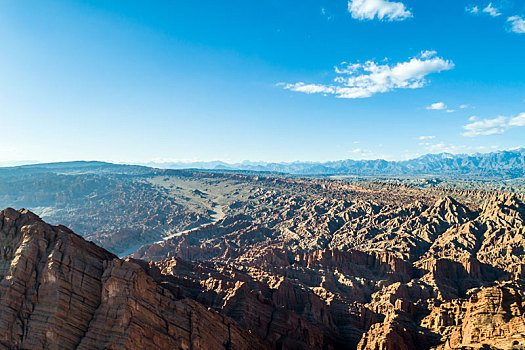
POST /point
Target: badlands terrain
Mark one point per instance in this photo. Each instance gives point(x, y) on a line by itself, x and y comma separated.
point(213, 260)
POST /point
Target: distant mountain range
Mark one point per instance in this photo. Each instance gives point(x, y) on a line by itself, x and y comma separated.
point(507, 164)
point(503, 164)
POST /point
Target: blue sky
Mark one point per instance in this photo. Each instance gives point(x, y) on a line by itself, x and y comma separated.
point(137, 81)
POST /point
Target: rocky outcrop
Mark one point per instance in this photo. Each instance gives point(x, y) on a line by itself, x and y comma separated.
point(367, 269)
point(274, 308)
point(58, 291)
point(492, 316)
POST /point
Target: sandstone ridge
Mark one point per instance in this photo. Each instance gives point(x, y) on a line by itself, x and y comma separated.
point(58, 291)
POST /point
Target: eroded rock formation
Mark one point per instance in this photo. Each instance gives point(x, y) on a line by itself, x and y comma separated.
point(294, 264)
point(422, 273)
point(58, 291)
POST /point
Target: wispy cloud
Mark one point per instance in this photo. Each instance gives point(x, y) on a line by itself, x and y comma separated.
point(517, 121)
point(498, 125)
point(382, 9)
point(486, 127)
point(517, 24)
point(361, 153)
point(441, 147)
point(437, 106)
point(326, 15)
point(491, 10)
point(472, 9)
point(426, 137)
point(361, 80)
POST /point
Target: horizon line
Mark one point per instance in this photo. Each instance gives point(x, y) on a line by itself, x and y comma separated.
point(22, 163)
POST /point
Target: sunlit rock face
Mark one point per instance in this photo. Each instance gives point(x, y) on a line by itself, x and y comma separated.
point(58, 291)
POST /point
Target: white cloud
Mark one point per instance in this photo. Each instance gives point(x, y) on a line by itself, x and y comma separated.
point(360, 153)
point(310, 88)
point(361, 80)
point(437, 106)
point(426, 137)
point(517, 24)
point(453, 148)
point(494, 126)
point(427, 54)
point(494, 12)
point(472, 9)
point(486, 127)
point(517, 121)
point(490, 10)
point(382, 9)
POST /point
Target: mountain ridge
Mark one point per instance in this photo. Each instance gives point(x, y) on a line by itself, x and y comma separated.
point(508, 164)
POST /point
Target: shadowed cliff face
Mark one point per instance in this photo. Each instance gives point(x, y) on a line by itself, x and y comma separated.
point(58, 291)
